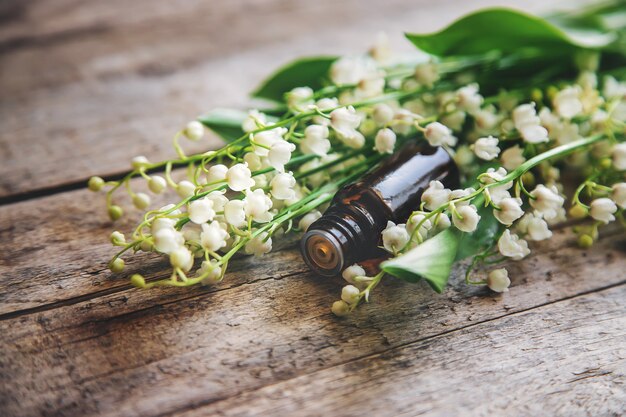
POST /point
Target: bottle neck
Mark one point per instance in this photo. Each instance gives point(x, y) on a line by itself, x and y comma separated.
point(341, 237)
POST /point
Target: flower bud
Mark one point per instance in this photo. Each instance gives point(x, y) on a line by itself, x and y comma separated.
point(498, 280)
point(350, 294)
point(118, 238)
point(340, 308)
point(385, 141)
point(585, 241)
point(95, 184)
point(185, 189)
point(115, 212)
point(578, 212)
point(157, 184)
point(194, 130)
point(139, 162)
point(137, 281)
point(141, 201)
point(181, 258)
point(116, 265)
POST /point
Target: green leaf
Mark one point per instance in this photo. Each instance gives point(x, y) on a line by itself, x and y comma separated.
point(305, 72)
point(227, 122)
point(507, 30)
point(483, 237)
point(431, 261)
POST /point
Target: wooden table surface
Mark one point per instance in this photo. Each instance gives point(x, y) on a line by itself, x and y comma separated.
point(85, 85)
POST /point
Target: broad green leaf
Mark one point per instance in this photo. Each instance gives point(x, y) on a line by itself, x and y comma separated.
point(506, 30)
point(305, 72)
point(226, 122)
point(431, 261)
point(483, 237)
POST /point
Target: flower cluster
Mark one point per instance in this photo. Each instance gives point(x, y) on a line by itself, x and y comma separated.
point(280, 172)
point(520, 144)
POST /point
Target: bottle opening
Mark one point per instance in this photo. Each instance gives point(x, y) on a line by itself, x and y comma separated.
point(322, 252)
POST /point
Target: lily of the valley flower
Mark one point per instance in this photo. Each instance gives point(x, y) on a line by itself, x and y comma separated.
point(602, 209)
point(512, 246)
point(498, 280)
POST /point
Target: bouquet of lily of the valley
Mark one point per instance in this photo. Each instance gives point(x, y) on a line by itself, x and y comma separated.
point(517, 100)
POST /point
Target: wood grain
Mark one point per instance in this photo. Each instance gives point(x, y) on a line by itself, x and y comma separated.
point(154, 353)
point(87, 85)
point(55, 250)
point(562, 359)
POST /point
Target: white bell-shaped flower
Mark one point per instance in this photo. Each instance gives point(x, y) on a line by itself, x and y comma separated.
point(512, 157)
point(141, 201)
point(512, 246)
point(259, 245)
point(427, 74)
point(218, 199)
point(528, 124)
point(510, 209)
point(618, 153)
point(194, 130)
point(395, 237)
point(618, 194)
point(350, 294)
point(438, 134)
point(486, 148)
point(546, 201)
point(265, 139)
point(235, 213)
point(254, 121)
point(498, 280)
point(352, 272)
point(468, 98)
point(283, 186)
point(466, 218)
point(534, 227)
point(239, 177)
point(280, 154)
point(201, 210)
point(567, 102)
point(157, 184)
point(216, 173)
point(185, 189)
point(211, 271)
point(602, 209)
point(167, 240)
point(382, 114)
point(181, 258)
point(308, 219)
point(424, 228)
point(315, 140)
point(385, 141)
point(213, 236)
point(435, 195)
point(258, 205)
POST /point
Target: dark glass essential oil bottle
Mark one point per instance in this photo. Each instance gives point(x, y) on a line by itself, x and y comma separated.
point(350, 230)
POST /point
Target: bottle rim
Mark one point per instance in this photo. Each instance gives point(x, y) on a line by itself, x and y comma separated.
point(322, 252)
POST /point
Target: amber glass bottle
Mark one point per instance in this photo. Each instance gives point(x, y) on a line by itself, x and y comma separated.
point(349, 231)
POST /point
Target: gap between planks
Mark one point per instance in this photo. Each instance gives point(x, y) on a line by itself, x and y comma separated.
point(126, 287)
point(89, 330)
point(257, 393)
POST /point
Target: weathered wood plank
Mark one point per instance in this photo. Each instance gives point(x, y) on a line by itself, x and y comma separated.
point(119, 80)
point(567, 358)
point(149, 353)
point(55, 250)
